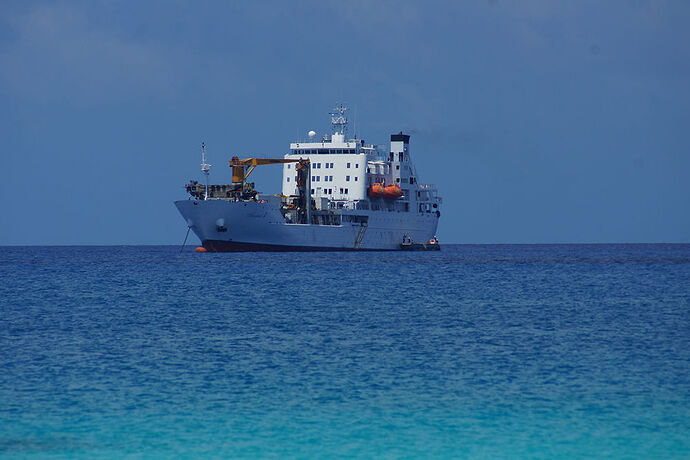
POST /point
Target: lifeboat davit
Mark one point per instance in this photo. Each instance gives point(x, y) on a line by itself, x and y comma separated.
point(392, 192)
point(376, 190)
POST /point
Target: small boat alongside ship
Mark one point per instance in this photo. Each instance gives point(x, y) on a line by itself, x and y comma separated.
point(409, 245)
point(338, 194)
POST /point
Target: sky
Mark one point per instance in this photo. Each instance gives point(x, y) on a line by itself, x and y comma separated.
point(540, 121)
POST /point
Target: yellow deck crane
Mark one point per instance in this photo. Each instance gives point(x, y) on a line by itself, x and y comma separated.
point(240, 174)
point(239, 167)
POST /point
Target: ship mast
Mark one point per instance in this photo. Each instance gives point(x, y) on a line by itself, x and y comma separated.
point(205, 167)
point(338, 120)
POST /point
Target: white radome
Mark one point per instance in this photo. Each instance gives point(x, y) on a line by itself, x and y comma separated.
point(312, 133)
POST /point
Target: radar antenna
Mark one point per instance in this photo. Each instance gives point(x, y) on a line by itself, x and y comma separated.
point(205, 167)
point(338, 120)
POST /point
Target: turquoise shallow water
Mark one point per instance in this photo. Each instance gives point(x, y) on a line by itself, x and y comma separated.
point(476, 351)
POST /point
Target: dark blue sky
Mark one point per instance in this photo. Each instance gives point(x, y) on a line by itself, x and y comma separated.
point(540, 121)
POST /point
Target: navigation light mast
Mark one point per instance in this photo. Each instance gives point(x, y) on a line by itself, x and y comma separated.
point(205, 167)
point(338, 120)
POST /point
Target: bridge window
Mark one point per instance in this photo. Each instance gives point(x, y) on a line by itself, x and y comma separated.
point(348, 165)
point(347, 178)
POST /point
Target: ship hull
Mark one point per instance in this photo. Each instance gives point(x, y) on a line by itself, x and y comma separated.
point(227, 226)
point(235, 246)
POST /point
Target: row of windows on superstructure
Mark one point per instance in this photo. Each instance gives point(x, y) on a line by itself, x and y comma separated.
point(329, 191)
point(321, 151)
point(325, 179)
point(327, 166)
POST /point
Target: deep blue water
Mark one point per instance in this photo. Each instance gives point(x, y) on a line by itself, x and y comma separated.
point(475, 351)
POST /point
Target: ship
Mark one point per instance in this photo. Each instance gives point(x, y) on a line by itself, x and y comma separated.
point(338, 194)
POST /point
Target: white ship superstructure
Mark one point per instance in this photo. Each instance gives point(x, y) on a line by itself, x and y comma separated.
point(337, 194)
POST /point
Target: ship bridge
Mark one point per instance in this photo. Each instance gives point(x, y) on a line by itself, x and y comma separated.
point(347, 173)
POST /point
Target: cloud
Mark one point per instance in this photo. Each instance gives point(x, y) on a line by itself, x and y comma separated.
point(54, 53)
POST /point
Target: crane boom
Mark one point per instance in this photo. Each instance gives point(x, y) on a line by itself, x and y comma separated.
point(239, 167)
point(259, 161)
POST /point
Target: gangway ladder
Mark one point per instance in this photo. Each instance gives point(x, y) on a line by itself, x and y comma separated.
point(360, 235)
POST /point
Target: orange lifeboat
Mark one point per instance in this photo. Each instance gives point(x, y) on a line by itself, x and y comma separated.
point(392, 192)
point(376, 190)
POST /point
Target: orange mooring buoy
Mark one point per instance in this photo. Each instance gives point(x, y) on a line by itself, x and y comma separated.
point(200, 249)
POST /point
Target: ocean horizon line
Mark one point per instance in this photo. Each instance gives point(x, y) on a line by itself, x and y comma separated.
point(108, 245)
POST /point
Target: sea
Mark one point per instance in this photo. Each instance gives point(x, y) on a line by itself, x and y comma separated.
point(475, 351)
